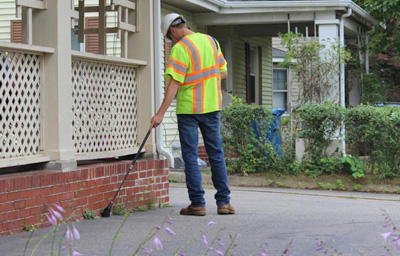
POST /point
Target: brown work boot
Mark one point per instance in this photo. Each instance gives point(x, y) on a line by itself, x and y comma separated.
point(194, 210)
point(226, 209)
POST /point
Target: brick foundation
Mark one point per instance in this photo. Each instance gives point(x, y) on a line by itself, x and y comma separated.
point(26, 197)
point(203, 154)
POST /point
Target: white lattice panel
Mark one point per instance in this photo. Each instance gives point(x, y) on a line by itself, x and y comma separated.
point(104, 106)
point(19, 104)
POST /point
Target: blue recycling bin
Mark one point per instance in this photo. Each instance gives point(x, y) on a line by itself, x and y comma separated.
point(272, 134)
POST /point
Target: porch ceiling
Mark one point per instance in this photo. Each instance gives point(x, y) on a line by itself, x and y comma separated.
point(224, 12)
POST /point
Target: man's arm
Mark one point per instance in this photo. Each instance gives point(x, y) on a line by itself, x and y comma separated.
point(224, 75)
point(170, 93)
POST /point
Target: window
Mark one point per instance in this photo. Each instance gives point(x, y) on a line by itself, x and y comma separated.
point(253, 76)
point(279, 99)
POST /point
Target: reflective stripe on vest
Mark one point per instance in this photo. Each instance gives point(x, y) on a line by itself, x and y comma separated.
point(178, 66)
point(198, 77)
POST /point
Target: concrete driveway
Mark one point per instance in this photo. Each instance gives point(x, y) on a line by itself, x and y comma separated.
point(350, 222)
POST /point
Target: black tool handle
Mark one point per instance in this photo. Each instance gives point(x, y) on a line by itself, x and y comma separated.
point(132, 164)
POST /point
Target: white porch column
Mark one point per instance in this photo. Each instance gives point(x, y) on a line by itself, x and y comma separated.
point(52, 28)
point(141, 48)
point(328, 35)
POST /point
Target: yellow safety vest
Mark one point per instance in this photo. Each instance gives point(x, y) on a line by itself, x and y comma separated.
point(197, 62)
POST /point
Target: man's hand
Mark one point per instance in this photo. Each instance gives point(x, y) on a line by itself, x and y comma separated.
point(156, 120)
point(172, 88)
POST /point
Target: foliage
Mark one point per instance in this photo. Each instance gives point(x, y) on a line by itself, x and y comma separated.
point(120, 210)
point(386, 36)
point(28, 228)
point(353, 166)
point(375, 132)
point(244, 150)
point(340, 185)
point(88, 214)
point(315, 66)
point(385, 43)
point(319, 123)
point(373, 90)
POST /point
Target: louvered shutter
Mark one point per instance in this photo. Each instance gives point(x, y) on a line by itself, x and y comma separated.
point(92, 40)
point(16, 31)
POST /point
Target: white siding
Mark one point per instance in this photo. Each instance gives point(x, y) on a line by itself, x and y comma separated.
point(239, 62)
point(7, 13)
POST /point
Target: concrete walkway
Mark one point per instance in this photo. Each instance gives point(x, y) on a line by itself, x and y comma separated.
point(347, 221)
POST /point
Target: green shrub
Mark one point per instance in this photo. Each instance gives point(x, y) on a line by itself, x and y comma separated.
point(340, 185)
point(353, 166)
point(89, 215)
point(375, 132)
point(373, 89)
point(243, 151)
point(319, 123)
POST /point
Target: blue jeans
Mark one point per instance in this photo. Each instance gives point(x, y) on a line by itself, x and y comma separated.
point(209, 125)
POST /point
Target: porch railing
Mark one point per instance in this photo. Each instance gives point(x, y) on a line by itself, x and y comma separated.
point(21, 68)
point(105, 105)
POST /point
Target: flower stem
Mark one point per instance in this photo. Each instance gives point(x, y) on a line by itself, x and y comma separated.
point(117, 233)
point(213, 242)
point(53, 242)
point(41, 241)
point(60, 244)
point(232, 245)
point(27, 242)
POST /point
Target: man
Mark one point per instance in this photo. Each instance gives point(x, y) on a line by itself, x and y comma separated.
point(194, 71)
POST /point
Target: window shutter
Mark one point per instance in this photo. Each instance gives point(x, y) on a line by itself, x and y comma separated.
point(92, 40)
point(16, 31)
point(167, 50)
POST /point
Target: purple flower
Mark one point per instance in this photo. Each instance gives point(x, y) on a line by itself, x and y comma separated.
point(169, 220)
point(204, 240)
point(157, 243)
point(386, 235)
point(211, 223)
point(55, 213)
point(52, 219)
point(219, 253)
point(75, 232)
point(398, 244)
point(169, 231)
point(75, 253)
point(262, 254)
point(68, 235)
point(59, 208)
point(146, 251)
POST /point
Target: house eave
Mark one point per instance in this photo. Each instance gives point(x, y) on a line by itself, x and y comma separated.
point(224, 7)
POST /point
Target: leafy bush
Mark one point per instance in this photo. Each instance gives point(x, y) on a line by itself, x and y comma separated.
point(375, 132)
point(243, 150)
point(319, 123)
point(373, 90)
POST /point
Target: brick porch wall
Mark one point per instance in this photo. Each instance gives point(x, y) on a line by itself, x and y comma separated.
point(26, 197)
point(203, 154)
